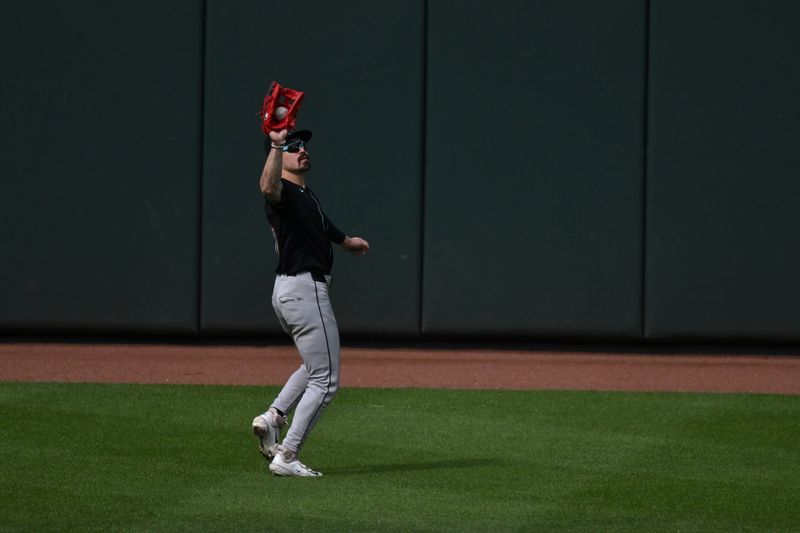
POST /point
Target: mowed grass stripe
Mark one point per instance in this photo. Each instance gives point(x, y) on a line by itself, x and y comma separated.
point(166, 458)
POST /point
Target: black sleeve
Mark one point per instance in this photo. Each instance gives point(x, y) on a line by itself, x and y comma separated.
point(335, 235)
point(285, 191)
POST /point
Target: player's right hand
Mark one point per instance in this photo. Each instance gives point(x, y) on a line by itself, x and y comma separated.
point(278, 137)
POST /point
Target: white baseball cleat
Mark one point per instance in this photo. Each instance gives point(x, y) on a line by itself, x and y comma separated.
point(286, 463)
point(267, 429)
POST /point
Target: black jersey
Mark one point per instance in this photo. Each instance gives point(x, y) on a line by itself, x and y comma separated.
point(303, 233)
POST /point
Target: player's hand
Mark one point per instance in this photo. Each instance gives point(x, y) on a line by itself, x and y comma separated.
point(355, 245)
point(278, 137)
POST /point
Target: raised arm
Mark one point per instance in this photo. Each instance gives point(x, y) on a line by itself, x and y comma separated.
point(270, 182)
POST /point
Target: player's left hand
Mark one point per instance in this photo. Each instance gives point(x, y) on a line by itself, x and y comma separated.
point(355, 245)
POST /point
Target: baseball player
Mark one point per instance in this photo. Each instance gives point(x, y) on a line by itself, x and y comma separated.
point(303, 236)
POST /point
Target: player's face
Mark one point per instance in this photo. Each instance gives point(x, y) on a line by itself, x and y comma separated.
point(297, 158)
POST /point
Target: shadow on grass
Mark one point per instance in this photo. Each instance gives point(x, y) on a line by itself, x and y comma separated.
point(444, 464)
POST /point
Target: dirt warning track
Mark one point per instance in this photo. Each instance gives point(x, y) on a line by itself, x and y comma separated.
point(461, 368)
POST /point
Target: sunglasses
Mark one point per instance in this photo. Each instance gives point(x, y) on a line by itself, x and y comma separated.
point(295, 146)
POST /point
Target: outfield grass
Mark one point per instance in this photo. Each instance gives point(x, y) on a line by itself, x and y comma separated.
point(167, 458)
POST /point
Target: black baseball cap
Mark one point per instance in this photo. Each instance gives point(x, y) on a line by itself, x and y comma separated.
point(303, 135)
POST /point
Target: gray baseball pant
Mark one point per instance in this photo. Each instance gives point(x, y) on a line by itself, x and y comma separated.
point(305, 312)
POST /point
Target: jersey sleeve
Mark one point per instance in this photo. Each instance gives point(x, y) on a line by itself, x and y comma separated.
point(335, 235)
point(283, 203)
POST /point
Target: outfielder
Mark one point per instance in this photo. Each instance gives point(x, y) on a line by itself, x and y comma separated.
point(303, 236)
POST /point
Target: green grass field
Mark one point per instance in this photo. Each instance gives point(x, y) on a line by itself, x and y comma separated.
point(167, 458)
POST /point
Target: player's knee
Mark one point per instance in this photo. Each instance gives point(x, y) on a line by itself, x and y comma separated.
point(333, 388)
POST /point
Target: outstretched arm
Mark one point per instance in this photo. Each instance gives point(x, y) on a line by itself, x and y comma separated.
point(354, 245)
point(270, 182)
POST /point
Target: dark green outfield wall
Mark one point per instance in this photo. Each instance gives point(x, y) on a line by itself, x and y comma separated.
point(526, 170)
point(723, 179)
point(533, 183)
point(100, 145)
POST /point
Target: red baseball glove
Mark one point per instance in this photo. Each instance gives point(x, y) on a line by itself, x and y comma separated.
point(280, 107)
